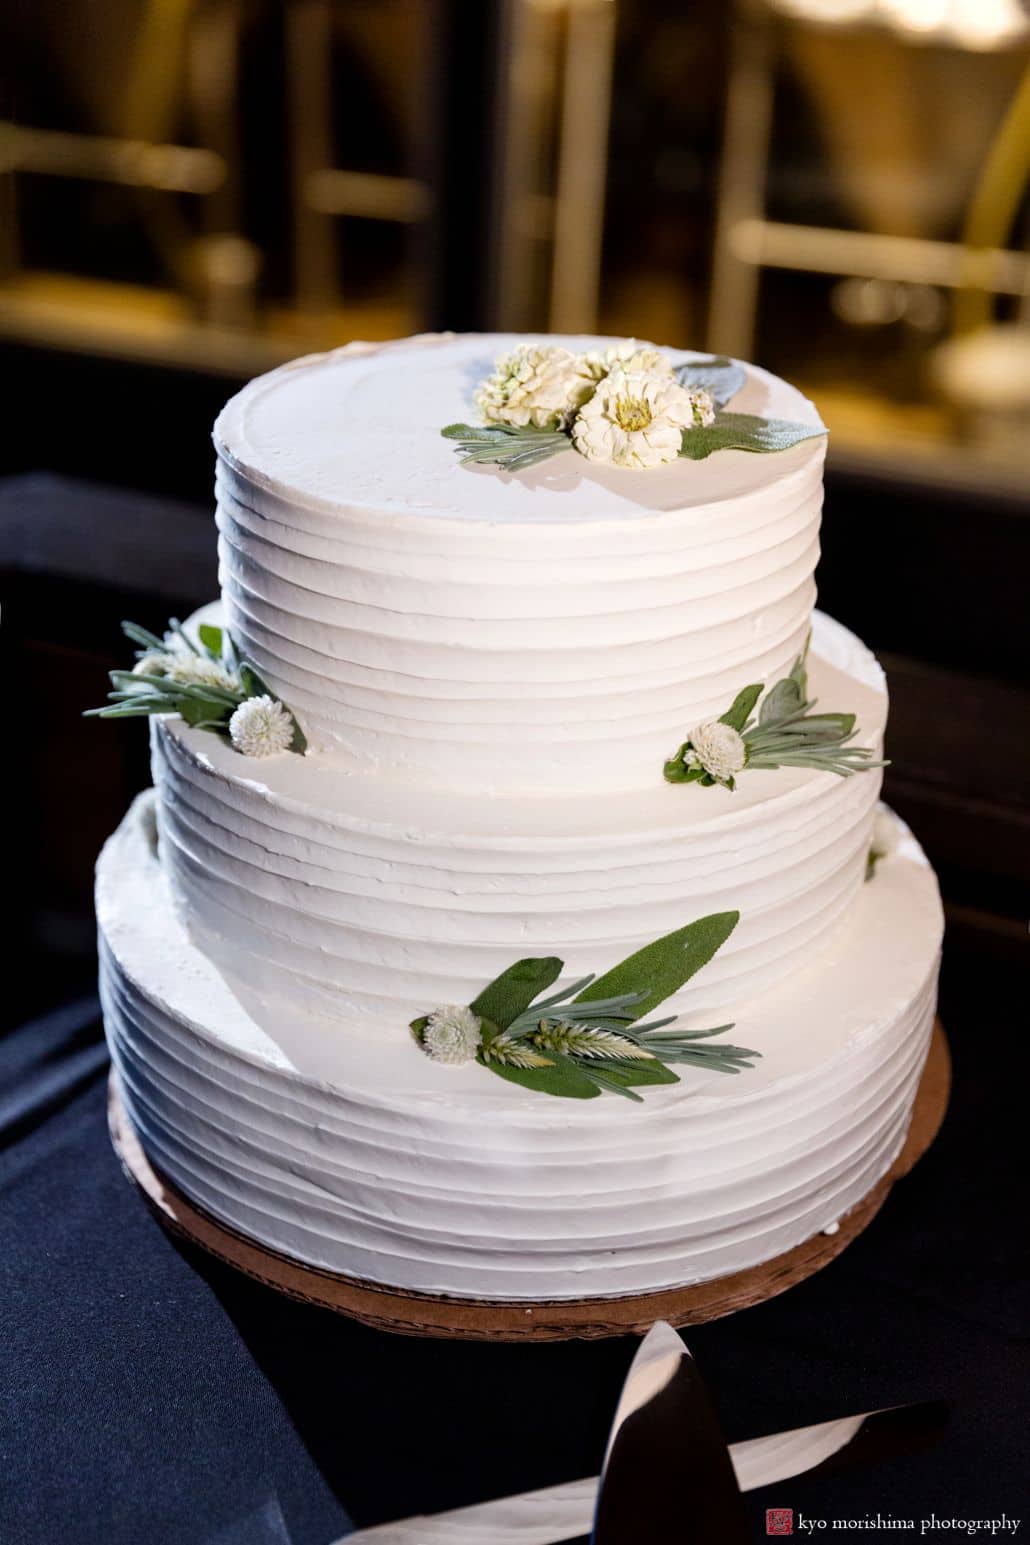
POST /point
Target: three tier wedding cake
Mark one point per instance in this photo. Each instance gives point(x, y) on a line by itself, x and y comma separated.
point(512, 917)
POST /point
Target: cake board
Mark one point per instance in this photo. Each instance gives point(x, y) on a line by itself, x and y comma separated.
point(463, 1319)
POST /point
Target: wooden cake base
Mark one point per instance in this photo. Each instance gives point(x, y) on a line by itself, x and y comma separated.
point(424, 1314)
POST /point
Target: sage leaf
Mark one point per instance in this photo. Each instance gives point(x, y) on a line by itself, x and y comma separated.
point(211, 638)
point(661, 968)
point(488, 433)
point(197, 711)
point(417, 1027)
point(744, 432)
point(604, 1081)
point(836, 725)
point(739, 711)
point(780, 701)
point(564, 1078)
point(253, 685)
point(511, 993)
point(628, 1074)
point(176, 627)
point(124, 710)
point(505, 445)
point(144, 637)
point(722, 378)
point(132, 685)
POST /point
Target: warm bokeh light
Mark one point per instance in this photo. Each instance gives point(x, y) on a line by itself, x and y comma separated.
point(965, 23)
point(227, 187)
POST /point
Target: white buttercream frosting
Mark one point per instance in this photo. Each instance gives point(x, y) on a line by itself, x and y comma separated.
point(553, 630)
point(361, 1155)
point(311, 883)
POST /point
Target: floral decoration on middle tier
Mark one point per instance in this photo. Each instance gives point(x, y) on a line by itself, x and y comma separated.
point(208, 683)
point(785, 733)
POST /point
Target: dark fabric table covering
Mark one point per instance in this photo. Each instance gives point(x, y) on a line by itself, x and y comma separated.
point(148, 1394)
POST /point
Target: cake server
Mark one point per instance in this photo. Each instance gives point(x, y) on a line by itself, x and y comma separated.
point(667, 1473)
point(555, 1514)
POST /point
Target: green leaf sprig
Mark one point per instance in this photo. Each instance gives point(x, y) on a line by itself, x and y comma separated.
point(505, 445)
point(722, 379)
point(515, 448)
point(786, 733)
point(585, 1039)
point(203, 704)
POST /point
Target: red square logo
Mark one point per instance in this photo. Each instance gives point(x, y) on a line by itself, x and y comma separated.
point(779, 1520)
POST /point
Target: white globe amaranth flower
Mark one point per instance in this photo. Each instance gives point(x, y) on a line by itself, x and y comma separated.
point(636, 418)
point(452, 1034)
point(199, 669)
point(261, 727)
point(718, 748)
point(631, 355)
point(537, 385)
point(151, 664)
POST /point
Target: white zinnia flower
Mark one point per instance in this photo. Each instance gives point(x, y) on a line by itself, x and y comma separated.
point(634, 419)
point(151, 664)
point(631, 355)
point(452, 1034)
point(718, 748)
point(198, 668)
point(261, 727)
point(537, 384)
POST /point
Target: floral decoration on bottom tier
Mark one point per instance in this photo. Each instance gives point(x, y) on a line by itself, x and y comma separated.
point(586, 1039)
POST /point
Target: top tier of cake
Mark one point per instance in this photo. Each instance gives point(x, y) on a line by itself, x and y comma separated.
point(557, 629)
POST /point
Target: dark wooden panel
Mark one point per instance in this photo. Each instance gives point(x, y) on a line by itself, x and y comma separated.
point(934, 573)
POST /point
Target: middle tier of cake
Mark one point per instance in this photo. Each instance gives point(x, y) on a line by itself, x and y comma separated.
point(368, 902)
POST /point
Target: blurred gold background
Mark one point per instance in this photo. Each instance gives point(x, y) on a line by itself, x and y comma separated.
point(194, 190)
point(836, 188)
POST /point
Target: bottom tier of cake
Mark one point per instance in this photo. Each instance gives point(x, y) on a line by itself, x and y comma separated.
point(364, 1157)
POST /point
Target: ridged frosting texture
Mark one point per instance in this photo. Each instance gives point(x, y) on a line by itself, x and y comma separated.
point(313, 885)
point(361, 1156)
point(551, 631)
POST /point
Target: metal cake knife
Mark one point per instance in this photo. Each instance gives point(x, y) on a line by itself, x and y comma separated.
point(560, 1513)
point(667, 1473)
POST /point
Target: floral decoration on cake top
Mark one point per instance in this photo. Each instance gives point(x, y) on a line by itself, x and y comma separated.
point(625, 406)
point(586, 1038)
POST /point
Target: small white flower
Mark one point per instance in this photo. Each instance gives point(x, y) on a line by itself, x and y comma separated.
point(631, 355)
point(634, 419)
point(703, 404)
point(261, 727)
point(199, 669)
point(537, 384)
point(452, 1034)
point(151, 664)
point(718, 748)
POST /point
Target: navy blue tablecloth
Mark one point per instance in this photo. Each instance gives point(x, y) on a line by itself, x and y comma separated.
point(150, 1396)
